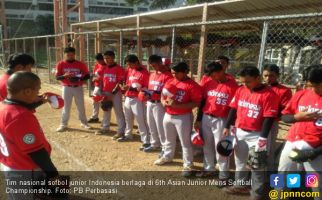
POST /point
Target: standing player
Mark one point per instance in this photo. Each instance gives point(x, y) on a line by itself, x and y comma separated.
point(137, 78)
point(255, 107)
point(304, 140)
point(72, 74)
point(16, 62)
point(24, 149)
point(178, 117)
point(155, 110)
point(212, 116)
point(271, 74)
point(110, 77)
point(96, 99)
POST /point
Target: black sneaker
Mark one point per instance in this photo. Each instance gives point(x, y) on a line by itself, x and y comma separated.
point(93, 120)
point(144, 146)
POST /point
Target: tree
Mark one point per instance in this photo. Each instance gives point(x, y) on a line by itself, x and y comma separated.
point(164, 3)
point(45, 25)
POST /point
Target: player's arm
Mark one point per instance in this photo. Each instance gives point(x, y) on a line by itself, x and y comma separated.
point(196, 97)
point(85, 72)
point(59, 73)
point(42, 159)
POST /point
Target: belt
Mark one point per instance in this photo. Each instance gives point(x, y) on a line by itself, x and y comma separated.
point(73, 86)
point(211, 115)
point(155, 101)
point(246, 130)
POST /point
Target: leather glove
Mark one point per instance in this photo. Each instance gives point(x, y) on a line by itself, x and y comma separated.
point(261, 144)
point(302, 155)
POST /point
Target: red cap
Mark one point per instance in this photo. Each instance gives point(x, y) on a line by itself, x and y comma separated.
point(55, 100)
point(196, 139)
point(169, 91)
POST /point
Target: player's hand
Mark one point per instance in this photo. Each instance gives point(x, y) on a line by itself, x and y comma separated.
point(124, 87)
point(225, 132)
point(95, 79)
point(67, 75)
point(197, 125)
point(302, 155)
point(171, 102)
point(44, 98)
point(261, 144)
point(307, 116)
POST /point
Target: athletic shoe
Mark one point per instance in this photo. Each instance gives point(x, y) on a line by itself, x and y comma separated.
point(101, 131)
point(86, 126)
point(187, 171)
point(217, 167)
point(61, 129)
point(93, 120)
point(162, 161)
point(118, 136)
point(144, 146)
point(125, 138)
point(161, 154)
point(151, 149)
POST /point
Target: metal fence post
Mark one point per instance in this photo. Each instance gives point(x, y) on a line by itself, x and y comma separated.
point(203, 43)
point(48, 59)
point(262, 47)
point(35, 53)
point(121, 49)
point(173, 45)
point(88, 63)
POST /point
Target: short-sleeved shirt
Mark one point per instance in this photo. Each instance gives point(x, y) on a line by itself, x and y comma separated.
point(136, 75)
point(96, 68)
point(218, 97)
point(20, 134)
point(75, 68)
point(186, 91)
point(111, 76)
point(253, 106)
point(284, 93)
point(310, 131)
point(205, 79)
point(156, 82)
point(3, 86)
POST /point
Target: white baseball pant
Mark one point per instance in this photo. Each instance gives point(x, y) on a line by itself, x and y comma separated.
point(155, 115)
point(246, 140)
point(212, 131)
point(134, 108)
point(78, 94)
point(286, 165)
point(96, 108)
point(180, 125)
point(118, 110)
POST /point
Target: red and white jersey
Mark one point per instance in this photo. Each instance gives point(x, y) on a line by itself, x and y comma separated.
point(20, 134)
point(205, 79)
point(96, 68)
point(253, 106)
point(310, 131)
point(218, 97)
point(284, 93)
point(75, 68)
point(111, 76)
point(156, 82)
point(186, 91)
point(3, 86)
point(138, 75)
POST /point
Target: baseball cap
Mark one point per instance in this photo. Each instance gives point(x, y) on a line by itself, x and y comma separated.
point(180, 67)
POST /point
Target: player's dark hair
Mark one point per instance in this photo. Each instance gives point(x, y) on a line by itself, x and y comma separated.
point(225, 58)
point(20, 59)
point(132, 59)
point(99, 56)
point(315, 74)
point(109, 53)
point(155, 59)
point(213, 67)
point(69, 50)
point(271, 68)
point(29, 80)
point(249, 71)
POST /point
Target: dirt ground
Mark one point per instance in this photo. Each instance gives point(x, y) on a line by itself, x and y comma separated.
point(82, 150)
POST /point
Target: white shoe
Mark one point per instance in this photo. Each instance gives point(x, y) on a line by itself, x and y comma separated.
point(162, 161)
point(61, 129)
point(217, 167)
point(86, 126)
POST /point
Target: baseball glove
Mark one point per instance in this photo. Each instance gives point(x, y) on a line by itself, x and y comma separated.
point(106, 105)
point(256, 160)
point(74, 79)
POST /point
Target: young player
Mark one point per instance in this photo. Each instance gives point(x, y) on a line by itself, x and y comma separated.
point(254, 107)
point(72, 74)
point(184, 95)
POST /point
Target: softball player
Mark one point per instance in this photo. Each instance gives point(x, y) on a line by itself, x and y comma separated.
point(270, 75)
point(255, 107)
point(24, 149)
point(212, 115)
point(110, 77)
point(179, 102)
point(16, 62)
point(137, 78)
point(96, 99)
point(155, 110)
point(72, 74)
point(304, 140)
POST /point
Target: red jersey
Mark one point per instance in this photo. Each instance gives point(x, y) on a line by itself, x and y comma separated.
point(186, 91)
point(205, 79)
point(96, 68)
point(218, 97)
point(20, 134)
point(310, 131)
point(140, 76)
point(156, 82)
point(110, 76)
point(3, 86)
point(75, 68)
point(284, 93)
point(253, 106)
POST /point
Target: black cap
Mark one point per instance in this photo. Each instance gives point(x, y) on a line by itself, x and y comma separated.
point(180, 67)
